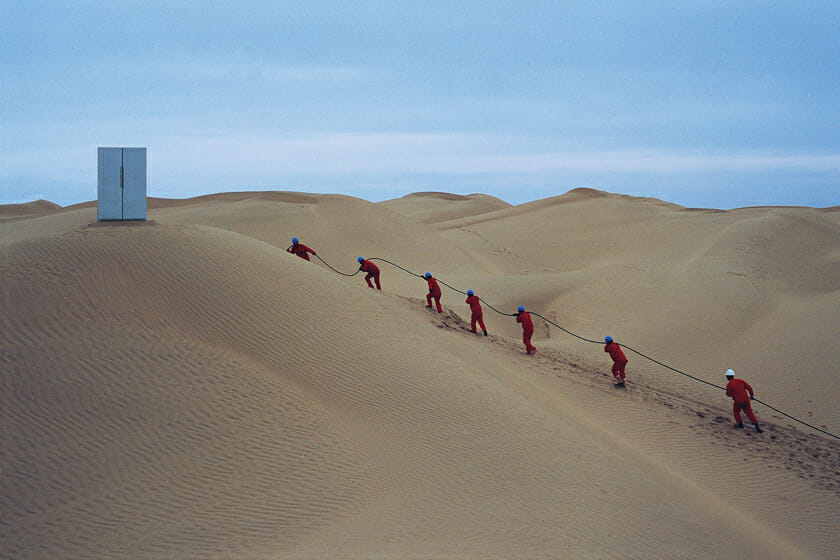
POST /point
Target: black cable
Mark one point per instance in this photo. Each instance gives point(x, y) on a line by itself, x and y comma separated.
point(565, 330)
point(445, 284)
point(588, 340)
point(672, 368)
point(687, 375)
point(797, 419)
point(396, 265)
point(334, 270)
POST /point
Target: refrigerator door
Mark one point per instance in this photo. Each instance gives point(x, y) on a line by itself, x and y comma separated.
point(134, 184)
point(109, 187)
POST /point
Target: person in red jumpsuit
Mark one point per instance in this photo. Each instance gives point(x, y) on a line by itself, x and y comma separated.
point(372, 272)
point(618, 358)
point(524, 317)
point(477, 312)
point(434, 292)
point(299, 249)
point(741, 394)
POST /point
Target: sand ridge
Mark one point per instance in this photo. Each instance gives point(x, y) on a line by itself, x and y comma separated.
point(27, 210)
point(426, 207)
point(237, 401)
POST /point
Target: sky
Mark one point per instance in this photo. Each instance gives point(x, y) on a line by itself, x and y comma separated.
point(716, 104)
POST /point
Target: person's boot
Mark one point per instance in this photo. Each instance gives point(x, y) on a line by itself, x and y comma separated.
point(758, 428)
point(485, 333)
point(739, 425)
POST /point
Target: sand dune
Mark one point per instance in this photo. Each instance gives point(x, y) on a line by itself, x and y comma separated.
point(27, 210)
point(186, 388)
point(753, 289)
point(435, 207)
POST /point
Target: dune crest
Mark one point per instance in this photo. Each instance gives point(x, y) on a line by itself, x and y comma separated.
point(27, 210)
point(436, 207)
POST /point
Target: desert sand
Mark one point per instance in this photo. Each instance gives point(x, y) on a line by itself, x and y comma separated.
point(185, 388)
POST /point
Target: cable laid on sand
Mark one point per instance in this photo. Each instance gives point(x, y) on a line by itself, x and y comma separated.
point(549, 321)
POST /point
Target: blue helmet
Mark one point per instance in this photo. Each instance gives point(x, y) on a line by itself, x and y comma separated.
point(520, 309)
point(360, 259)
point(470, 293)
point(295, 240)
point(608, 339)
point(427, 275)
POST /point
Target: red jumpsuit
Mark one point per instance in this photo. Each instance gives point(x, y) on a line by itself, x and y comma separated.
point(527, 330)
point(434, 292)
point(372, 272)
point(619, 360)
point(300, 250)
point(477, 313)
point(740, 391)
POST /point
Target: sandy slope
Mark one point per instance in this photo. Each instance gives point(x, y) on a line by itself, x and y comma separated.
point(756, 289)
point(188, 389)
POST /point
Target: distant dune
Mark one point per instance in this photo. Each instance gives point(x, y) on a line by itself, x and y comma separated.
point(27, 210)
point(433, 207)
point(187, 388)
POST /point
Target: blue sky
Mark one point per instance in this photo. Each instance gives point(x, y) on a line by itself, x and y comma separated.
point(701, 103)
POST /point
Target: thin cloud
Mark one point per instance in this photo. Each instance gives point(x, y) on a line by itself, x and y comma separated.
point(462, 154)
